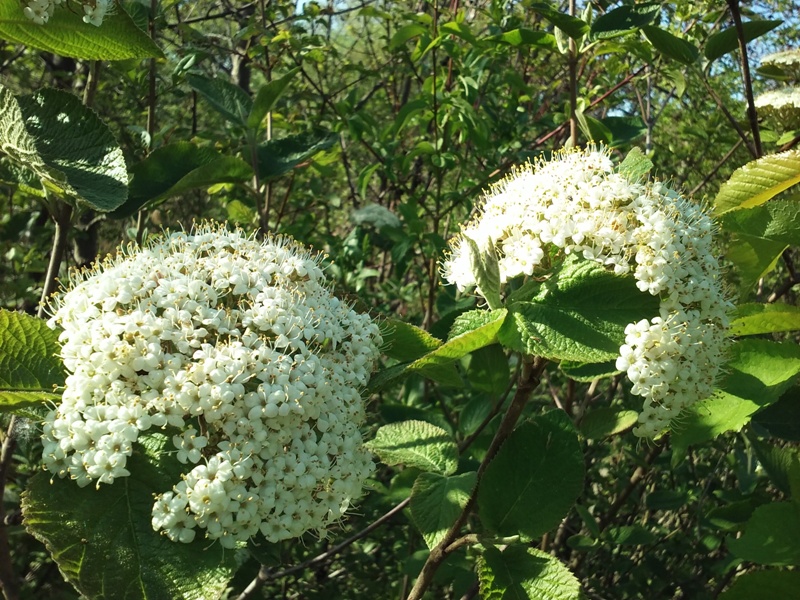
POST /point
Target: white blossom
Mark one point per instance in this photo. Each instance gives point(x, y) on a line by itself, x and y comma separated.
point(578, 203)
point(241, 354)
point(781, 106)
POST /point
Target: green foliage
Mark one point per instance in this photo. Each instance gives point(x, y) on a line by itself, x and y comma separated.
point(30, 369)
point(416, 444)
point(768, 584)
point(607, 421)
point(436, 502)
point(770, 536)
point(66, 34)
point(759, 181)
point(757, 319)
point(104, 544)
point(624, 19)
point(722, 42)
point(521, 573)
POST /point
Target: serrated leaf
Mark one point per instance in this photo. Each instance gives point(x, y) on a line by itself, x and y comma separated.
point(436, 502)
point(177, 168)
point(118, 38)
point(771, 535)
point(758, 181)
point(520, 573)
point(709, 418)
point(670, 45)
point(278, 157)
point(758, 319)
point(534, 479)
point(579, 314)
point(416, 444)
point(720, 43)
point(65, 143)
point(573, 26)
point(461, 345)
point(777, 462)
point(636, 165)
point(529, 37)
point(607, 421)
point(29, 365)
point(764, 584)
point(588, 372)
point(624, 19)
point(103, 540)
point(229, 100)
point(777, 220)
point(267, 96)
point(406, 342)
point(782, 419)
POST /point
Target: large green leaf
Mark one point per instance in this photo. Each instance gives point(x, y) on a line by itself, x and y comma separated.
point(777, 461)
point(528, 37)
point(636, 166)
point(104, 543)
point(720, 43)
point(782, 418)
point(177, 168)
point(623, 19)
point(758, 181)
point(670, 45)
point(229, 100)
point(416, 444)
point(573, 26)
point(29, 365)
point(278, 157)
point(406, 342)
point(436, 502)
point(764, 584)
point(709, 418)
point(534, 479)
point(777, 220)
point(488, 370)
point(753, 257)
point(579, 314)
point(758, 319)
point(65, 144)
point(118, 38)
point(607, 421)
point(771, 536)
point(521, 573)
point(267, 96)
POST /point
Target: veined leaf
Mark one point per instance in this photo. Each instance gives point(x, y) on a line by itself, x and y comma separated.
point(782, 418)
point(103, 540)
point(229, 100)
point(29, 365)
point(770, 536)
point(720, 43)
point(607, 421)
point(522, 573)
point(267, 96)
point(671, 45)
point(436, 502)
point(573, 26)
point(278, 157)
point(777, 220)
point(406, 342)
point(754, 257)
point(529, 37)
point(54, 135)
point(624, 19)
point(118, 38)
point(636, 165)
point(758, 181)
point(757, 319)
point(416, 444)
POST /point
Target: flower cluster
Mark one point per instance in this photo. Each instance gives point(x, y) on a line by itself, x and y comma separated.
point(781, 106)
point(237, 350)
point(788, 61)
point(40, 11)
point(577, 203)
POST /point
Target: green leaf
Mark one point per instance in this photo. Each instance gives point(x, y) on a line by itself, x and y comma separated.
point(406, 342)
point(636, 165)
point(405, 33)
point(623, 130)
point(267, 96)
point(573, 26)
point(624, 19)
point(720, 43)
point(462, 30)
point(777, 220)
point(488, 370)
point(416, 444)
point(630, 535)
point(104, 543)
point(519, 573)
point(579, 314)
point(764, 584)
point(118, 38)
point(486, 270)
point(588, 372)
point(278, 157)
point(65, 143)
point(472, 320)
point(761, 370)
point(534, 479)
point(436, 502)
point(709, 418)
point(229, 100)
point(753, 257)
point(607, 421)
point(777, 462)
point(670, 45)
point(529, 37)
point(177, 168)
point(782, 419)
point(29, 365)
point(771, 536)
point(757, 319)
point(758, 181)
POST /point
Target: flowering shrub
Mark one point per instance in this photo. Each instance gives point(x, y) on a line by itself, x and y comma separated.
point(781, 106)
point(241, 351)
point(577, 203)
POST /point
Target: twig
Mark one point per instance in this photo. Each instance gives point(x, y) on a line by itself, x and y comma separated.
point(752, 117)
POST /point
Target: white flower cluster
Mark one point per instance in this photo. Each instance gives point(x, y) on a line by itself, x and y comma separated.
point(787, 61)
point(239, 351)
point(40, 11)
point(781, 106)
point(578, 203)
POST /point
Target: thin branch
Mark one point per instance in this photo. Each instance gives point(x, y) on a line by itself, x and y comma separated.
point(752, 117)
